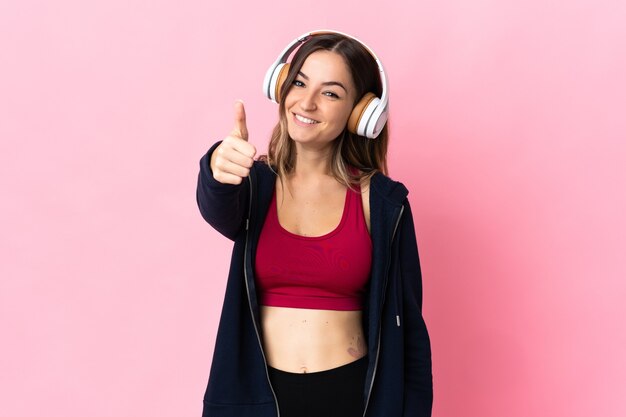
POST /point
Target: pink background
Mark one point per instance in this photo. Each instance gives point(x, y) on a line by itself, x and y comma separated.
point(508, 128)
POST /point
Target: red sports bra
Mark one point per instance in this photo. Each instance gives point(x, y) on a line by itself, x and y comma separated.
point(328, 272)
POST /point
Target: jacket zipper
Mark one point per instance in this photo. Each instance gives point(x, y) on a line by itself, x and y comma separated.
point(245, 272)
point(369, 392)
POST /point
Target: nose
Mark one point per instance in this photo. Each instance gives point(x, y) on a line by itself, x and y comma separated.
point(308, 101)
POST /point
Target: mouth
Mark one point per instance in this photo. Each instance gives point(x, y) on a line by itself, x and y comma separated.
point(304, 120)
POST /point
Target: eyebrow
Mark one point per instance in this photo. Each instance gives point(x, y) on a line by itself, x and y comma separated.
point(303, 75)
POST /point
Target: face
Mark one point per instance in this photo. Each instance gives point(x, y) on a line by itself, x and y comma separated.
point(321, 99)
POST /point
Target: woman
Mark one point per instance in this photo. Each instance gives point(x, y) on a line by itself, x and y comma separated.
point(322, 312)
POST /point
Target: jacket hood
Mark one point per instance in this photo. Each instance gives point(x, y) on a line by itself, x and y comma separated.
point(392, 190)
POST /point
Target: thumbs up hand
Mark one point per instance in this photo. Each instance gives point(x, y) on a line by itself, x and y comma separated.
point(232, 159)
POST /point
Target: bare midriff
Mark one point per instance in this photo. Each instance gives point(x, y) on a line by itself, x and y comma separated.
point(306, 340)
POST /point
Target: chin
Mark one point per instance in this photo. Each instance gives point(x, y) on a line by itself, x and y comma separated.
point(304, 138)
point(299, 136)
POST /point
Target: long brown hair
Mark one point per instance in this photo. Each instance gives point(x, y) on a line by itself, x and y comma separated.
point(367, 155)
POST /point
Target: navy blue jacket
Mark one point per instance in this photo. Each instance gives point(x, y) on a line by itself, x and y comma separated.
point(399, 378)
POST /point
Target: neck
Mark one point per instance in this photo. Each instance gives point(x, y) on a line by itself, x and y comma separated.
point(312, 163)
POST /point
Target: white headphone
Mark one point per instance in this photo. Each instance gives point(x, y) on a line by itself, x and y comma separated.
point(368, 116)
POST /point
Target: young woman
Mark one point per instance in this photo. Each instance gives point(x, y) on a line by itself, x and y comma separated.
point(322, 312)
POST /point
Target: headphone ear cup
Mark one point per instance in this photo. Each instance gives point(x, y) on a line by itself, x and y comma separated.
point(281, 76)
point(361, 113)
point(274, 79)
point(281, 80)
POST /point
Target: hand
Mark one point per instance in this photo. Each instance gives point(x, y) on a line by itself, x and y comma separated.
point(232, 159)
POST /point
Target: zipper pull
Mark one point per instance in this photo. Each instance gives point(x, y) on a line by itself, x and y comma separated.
point(247, 223)
point(398, 320)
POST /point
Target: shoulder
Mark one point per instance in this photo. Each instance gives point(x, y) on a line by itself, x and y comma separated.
point(262, 177)
point(382, 194)
point(384, 187)
point(261, 164)
point(263, 169)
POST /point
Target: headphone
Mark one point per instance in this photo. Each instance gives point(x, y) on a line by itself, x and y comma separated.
point(368, 116)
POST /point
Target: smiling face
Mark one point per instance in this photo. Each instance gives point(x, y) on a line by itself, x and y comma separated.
point(320, 100)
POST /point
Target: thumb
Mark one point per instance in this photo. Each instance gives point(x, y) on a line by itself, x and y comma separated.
point(240, 129)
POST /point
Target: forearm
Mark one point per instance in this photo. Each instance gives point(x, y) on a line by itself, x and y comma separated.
point(223, 206)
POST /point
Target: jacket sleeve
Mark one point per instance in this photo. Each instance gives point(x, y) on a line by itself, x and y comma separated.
point(223, 206)
point(418, 385)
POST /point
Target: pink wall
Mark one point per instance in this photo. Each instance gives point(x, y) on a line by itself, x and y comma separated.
point(508, 129)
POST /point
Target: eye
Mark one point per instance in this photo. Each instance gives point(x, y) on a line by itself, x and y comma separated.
point(330, 94)
point(298, 83)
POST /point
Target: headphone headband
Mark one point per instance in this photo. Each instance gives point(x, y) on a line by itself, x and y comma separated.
point(372, 115)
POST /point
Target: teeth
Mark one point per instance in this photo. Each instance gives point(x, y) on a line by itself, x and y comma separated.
point(305, 120)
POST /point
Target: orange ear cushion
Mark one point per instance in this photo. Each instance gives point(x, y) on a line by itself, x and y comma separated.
point(282, 76)
point(357, 112)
